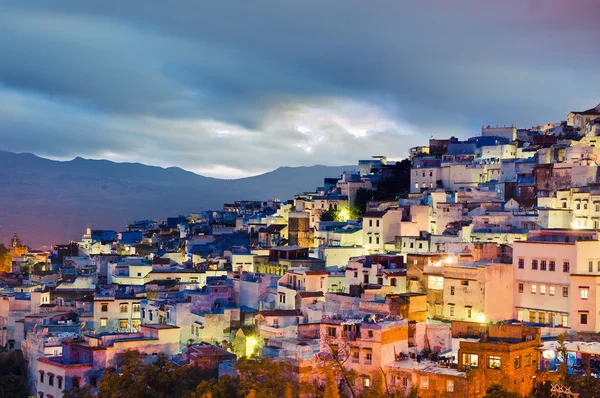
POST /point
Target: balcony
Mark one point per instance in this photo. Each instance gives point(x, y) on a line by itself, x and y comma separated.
point(291, 286)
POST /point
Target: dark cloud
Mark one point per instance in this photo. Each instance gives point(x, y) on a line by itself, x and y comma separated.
point(235, 88)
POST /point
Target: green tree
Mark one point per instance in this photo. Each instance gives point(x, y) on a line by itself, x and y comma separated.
point(499, 391)
point(330, 214)
point(267, 378)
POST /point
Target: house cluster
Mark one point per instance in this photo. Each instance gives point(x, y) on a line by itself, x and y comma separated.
point(465, 281)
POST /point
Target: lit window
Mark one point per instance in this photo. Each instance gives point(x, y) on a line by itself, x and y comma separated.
point(527, 361)
point(532, 316)
point(123, 323)
point(424, 382)
point(136, 323)
point(533, 288)
point(470, 360)
point(469, 312)
point(584, 293)
point(436, 282)
point(366, 382)
point(103, 322)
point(451, 309)
point(542, 289)
point(494, 362)
point(551, 290)
point(520, 315)
point(565, 321)
point(517, 362)
point(449, 385)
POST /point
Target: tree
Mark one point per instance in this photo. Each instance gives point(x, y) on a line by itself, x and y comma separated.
point(499, 391)
point(5, 259)
point(12, 385)
point(563, 353)
point(330, 214)
point(12, 374)
point(15, 241)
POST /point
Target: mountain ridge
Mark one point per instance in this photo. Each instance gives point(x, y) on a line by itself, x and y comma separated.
point(49, 201)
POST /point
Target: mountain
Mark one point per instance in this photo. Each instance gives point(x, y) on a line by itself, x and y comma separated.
point(48, 202)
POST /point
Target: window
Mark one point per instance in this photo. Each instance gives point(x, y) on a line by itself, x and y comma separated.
point(542, 316)
point(521, 263)
point(377, 223)
point(590, 266)
point(282, 298)
point(93, 381)
point(377, 240)
point(551, 266)
point(103, 322)
point(584, 293)
point(104, 307)
point(438, 309)
point(551, 290)
point(494, 362)
point(75, 382)
point(331, 332)
point(123, 323)
point(355, 356)
point(366, 382)
point(449, 385)
point(366, 278)
point(543, 265)
point(50, 379)
point(566, 266)
point(583, 317)
point(370, 333)
point(598, 264)
point(368, 357)
point(150, 315)
point(527, 361)
point(565, 321)
point(469, 312)
point(470, 360)
point(370, 223)
point(533, 288)
point(123, 307)
point(405, 382)
point(565, 291)
point(532, 316)
point(464, 283)
point(452, 290)
point(393, 282)
point(436, 282)
point(59, 379)
point(451, 309)
point(424, 382)
point(41, 377)
point(520, 315)
point(135, 308)
point(370, 239)
point(517, 362)
point(542, 289)
point(520, 287)
point(477, 386)
point(534, 264)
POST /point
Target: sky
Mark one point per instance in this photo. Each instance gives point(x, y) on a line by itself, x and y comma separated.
point(236, 88)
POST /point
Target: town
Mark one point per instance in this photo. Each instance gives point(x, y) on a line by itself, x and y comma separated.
point(468, 269)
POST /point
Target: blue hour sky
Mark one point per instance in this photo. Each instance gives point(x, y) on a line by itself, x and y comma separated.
point(235, 88)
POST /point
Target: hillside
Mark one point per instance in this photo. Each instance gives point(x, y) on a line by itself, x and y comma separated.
point(48, 201)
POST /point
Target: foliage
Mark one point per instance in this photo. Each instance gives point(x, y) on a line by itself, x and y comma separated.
point(499, 391)
point(161, 378)
point(13, 374)
point(5, 259)
point(389, 188)
point(563, 353)
point(15, 241)
point(330, 215)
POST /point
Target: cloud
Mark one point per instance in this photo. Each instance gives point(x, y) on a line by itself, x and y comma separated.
point(235, 88)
